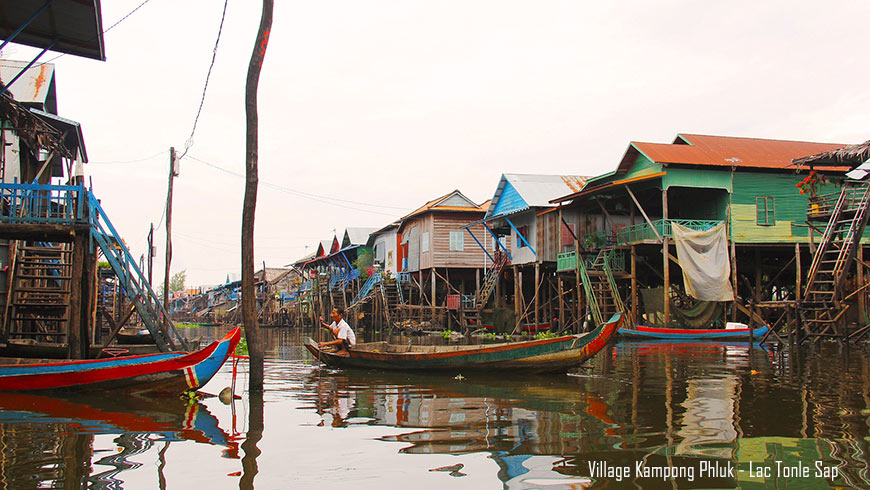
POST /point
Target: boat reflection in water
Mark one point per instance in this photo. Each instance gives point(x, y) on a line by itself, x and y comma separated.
point(662, 404)
point(57, 442)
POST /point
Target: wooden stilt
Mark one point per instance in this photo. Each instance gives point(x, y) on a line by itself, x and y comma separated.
point(757, 294)
point(666, 262)
point(561, 304)
point(537, 296)
point(74, 325)
point(798, 276)
point(517, 280)
point(734, 280)
point(862, 318)
point(634, 313)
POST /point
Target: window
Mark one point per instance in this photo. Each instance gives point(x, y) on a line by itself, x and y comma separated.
point(524, 231)
point(765, 212)
point(504, 241)
point(424, 241)
point(457, 241)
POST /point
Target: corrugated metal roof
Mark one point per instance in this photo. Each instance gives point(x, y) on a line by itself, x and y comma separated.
point(523, 191)
point(356, 236)
point(75, 26)
point(36, 85)
point(726, 151)
point(435, 203)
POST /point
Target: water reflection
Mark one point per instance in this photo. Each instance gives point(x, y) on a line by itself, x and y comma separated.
point(660, 404)
point(686, 405)
point(51, 442)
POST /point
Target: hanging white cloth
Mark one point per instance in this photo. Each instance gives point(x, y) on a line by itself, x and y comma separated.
point(703, 256)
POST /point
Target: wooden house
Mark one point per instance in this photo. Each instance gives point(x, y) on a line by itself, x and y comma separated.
point(433, 247)
point(385, 247)
point(523, 229)
point(699, 181)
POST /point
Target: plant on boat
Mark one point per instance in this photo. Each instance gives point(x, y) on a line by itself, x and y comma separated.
point(446, 334)
point(546, 334)
point(242, 347)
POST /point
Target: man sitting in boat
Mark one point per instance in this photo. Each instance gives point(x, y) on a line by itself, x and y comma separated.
point(341, 331)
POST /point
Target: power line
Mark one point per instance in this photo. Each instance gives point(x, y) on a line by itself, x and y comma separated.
point(129, 161)
point(307, 195)
point(189, 142)
point(122, 19)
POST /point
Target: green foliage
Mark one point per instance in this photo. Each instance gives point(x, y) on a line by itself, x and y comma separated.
point(546, 334)
point(446, 334)
point(103, 265)
point(186, 325)
point(176, 282)
point(242, 348)
point(364, 260)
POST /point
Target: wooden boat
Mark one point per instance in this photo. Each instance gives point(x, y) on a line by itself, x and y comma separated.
point(134, 336)
point(547, 355)
point(644, 332)
point(168, 372)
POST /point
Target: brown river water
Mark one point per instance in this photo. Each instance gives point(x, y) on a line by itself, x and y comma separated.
point(638, 415)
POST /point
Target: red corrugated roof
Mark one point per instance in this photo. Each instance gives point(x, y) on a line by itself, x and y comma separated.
point(726, 151)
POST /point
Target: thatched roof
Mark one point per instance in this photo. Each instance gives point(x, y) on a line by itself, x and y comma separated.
point(851, 155)
point(35, 132)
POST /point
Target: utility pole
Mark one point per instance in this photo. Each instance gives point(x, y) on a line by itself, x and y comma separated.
point(151, 255)
point(173, 172)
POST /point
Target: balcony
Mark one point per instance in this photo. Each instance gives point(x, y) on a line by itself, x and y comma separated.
point(568, 261)
point(644, 232)
point(39, 204)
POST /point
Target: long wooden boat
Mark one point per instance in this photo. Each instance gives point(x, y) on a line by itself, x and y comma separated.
point(644, 332)
point(547, 355)
point(168, 372)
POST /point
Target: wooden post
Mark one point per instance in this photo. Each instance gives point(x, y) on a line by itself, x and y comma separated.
point(537, 294)
point(798, 279)
point(860, 278)
point(172, 174)
point(734, 280)
point(633, 314)
point(76, 303)
point(517, 280)
point(757, 275)
point(477, 281)
point(432, 299)
point(666, 261)
point(580, 312)
point(561, 303)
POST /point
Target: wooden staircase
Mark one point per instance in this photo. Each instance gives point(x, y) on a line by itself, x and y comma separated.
point(600, 286)
point(40, 292)
point(500, 261)
point(821, 309)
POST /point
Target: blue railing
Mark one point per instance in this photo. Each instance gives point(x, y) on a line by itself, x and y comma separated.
point(403, 277)
point(39, 203)
point(367, 287)
point(136, 285)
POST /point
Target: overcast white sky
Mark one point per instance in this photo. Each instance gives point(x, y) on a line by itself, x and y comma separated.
point(391, 103)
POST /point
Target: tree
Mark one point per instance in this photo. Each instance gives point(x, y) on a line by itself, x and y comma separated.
point(249, 205)
point(177, 283)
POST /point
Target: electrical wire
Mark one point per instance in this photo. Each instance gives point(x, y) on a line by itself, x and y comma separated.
point(189, 142)
point(122, 19)
point(130, 161)
point(306, 195)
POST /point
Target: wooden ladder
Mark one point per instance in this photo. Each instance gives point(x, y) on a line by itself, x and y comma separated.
point(500, 261)
point(820, 309)
point(40, 292)
point(600, 286)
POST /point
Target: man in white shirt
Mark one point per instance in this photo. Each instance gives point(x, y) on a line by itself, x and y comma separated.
point(345, 339)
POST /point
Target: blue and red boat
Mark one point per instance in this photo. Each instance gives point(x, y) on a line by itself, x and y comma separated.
point(644, 332)
point(168, 372)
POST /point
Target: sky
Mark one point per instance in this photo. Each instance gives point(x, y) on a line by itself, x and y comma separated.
point(369, 109)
